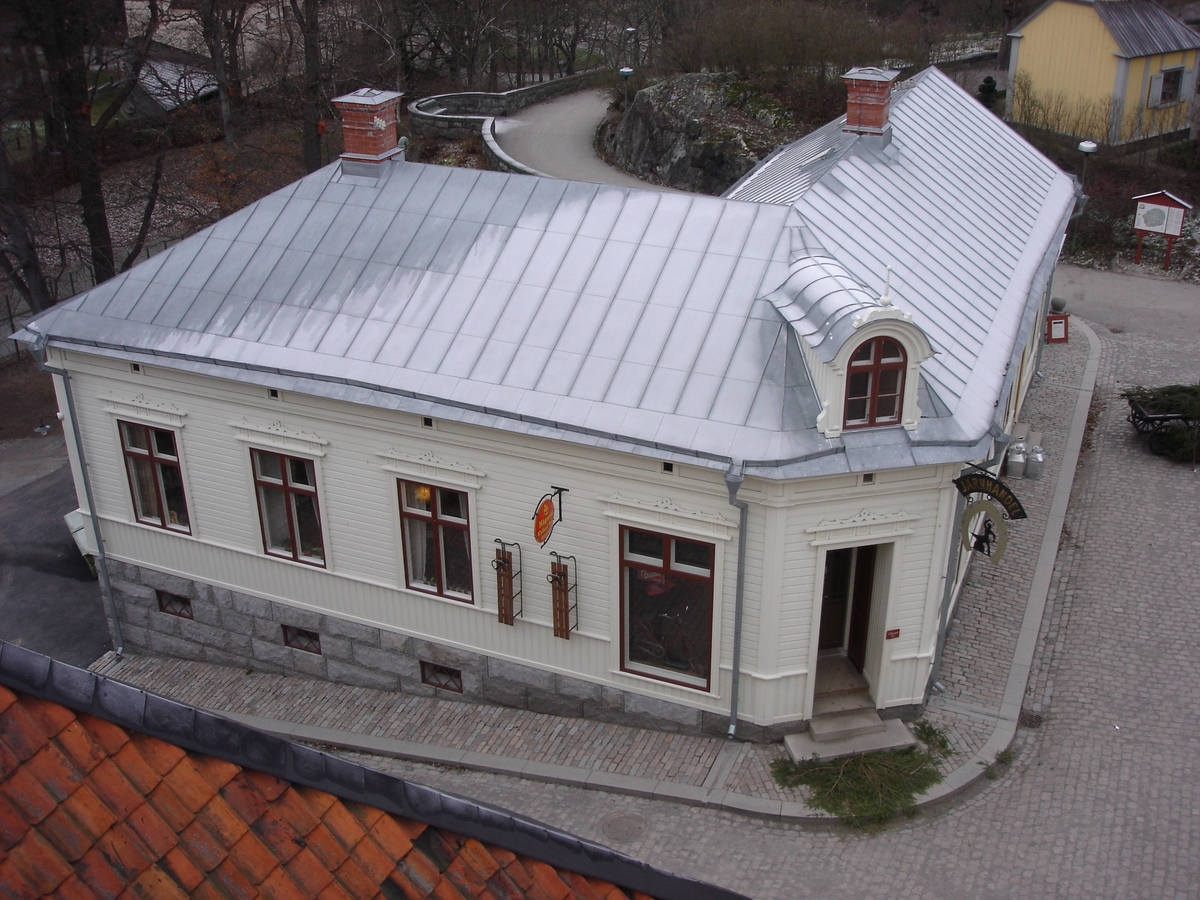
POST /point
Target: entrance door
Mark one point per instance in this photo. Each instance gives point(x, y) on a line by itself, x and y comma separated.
point(860, 609)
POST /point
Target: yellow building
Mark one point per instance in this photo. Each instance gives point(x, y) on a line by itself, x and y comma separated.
point(1110, 70)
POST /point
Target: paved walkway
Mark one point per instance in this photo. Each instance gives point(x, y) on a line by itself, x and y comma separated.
point(978, 710)
point(556, 137)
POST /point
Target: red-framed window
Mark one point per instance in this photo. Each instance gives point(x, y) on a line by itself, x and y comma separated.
point(288, 509)
point(155, 478)
point(436, 529)
point(666, 607)
point(875, 384)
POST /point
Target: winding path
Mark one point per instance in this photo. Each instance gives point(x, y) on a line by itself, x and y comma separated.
point(556, 137)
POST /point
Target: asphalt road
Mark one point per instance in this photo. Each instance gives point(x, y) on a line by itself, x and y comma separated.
point(1130, 303)
point(49, 600)
point(556, 137)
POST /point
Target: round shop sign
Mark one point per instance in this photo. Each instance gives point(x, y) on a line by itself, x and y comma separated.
point(543, 520)
point(992, 540)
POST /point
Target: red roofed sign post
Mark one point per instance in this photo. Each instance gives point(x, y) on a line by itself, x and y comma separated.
point(1159, 213)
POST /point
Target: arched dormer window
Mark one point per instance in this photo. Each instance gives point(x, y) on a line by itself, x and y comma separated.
point(875, 384)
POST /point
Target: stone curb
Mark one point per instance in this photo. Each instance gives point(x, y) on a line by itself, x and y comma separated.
point(715, 796)
point(1018, 676)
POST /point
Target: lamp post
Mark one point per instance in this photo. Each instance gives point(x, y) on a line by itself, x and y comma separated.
point(625, 72)
point(1087, 148)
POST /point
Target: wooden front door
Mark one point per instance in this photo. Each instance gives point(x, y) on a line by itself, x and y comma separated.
point(860, 607)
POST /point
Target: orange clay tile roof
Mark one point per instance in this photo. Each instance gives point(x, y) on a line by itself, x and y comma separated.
point(90, 810)
point(93, 809)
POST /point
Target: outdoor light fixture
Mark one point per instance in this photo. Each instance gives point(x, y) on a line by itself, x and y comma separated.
point(625, 72)
point(1087, 148)
point(43, 427)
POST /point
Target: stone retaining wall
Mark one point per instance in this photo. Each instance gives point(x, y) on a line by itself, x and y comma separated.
point(459, 116)
point(243, 631)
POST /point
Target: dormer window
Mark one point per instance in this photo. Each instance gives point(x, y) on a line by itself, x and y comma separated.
point(875, 384)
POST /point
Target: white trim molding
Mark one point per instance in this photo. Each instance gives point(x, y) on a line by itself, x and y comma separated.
point(429, 467)
point(276, 435)
point(669, 515)
point(141, 408)
point(863, 524)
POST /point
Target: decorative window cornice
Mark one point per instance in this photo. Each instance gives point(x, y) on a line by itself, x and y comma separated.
point(141, 407)
point(865, 523)
point(668, 514)
point(279, 436)
point(428, 466)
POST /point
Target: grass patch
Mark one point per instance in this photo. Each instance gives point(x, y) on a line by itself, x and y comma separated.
point(995, 769)
point(868, 789)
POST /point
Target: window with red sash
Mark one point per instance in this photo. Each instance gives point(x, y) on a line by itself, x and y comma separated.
point(875, 384)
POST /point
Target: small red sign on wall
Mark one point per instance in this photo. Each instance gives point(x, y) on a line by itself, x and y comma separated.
point(1056, 328)
point(892, 634)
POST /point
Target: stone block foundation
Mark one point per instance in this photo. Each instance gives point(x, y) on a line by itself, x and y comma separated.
point(243, 631)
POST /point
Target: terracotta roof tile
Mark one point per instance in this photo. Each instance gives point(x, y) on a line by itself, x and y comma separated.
point(253, 857)
point(193, 789)
point(152, 829)
point(8, 762)
point(179, 866)
point(99, 812)
point(233, 881)
point(222, 821)
point(40, 862)
point(80, 747)
point(109, 736)
point(14, 884)
point(111, 785)
point(204, 849)
point(28, 796)
point(21, 733)
point(75, 889)
point(50, 717)
point(139, 772)
point(309, 872)
point(327, 848)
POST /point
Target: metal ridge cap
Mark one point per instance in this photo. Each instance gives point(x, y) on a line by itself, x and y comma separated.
point(212, 734)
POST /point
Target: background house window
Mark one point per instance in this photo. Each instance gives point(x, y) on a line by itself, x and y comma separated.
point(155, 479)
point(875, 384)
point(437, 540)
point(287, 506)
point(667, 605)
point(1172, 87)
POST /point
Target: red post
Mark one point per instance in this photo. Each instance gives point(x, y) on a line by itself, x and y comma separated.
point(1167, 261)
point(1137, 257)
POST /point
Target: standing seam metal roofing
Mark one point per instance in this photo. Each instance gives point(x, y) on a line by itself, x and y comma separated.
point(1141, 28)
point(607, 314)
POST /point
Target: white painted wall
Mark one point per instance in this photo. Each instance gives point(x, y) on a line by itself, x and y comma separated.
point(360, 451)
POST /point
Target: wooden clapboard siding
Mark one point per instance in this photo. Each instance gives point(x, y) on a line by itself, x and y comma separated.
point(365, 578)
point(1067, 50)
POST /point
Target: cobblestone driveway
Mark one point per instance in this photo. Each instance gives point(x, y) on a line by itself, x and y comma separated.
point(1088, 809)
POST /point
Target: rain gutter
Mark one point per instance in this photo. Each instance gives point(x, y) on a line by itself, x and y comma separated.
point(39, 353)
point(733, 482)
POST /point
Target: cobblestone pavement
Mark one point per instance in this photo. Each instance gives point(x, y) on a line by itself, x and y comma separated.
point(1085, 809)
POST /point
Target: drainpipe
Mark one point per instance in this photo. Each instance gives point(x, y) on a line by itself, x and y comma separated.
point(106, 591)
point(733, 481)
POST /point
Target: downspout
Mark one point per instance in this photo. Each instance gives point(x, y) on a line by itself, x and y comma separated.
point(106, 591)
point(733, 481)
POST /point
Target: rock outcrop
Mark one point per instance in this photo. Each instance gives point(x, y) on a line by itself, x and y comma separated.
point(688, 132)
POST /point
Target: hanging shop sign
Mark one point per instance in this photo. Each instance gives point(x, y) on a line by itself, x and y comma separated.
point(548, 514)
point(986, 483)
point(991, 536)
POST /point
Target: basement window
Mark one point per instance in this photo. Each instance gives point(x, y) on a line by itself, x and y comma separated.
point(174, 605)
point(299, 639)
point(443, 677)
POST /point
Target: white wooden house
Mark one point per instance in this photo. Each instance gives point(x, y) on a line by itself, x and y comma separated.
point(316, 431)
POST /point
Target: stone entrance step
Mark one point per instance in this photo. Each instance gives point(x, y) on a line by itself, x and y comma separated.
point(845, 725)
point(833, 704)
point(894, 735)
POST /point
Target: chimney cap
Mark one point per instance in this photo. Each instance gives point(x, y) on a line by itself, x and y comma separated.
point(368, 97)
point(872, 73)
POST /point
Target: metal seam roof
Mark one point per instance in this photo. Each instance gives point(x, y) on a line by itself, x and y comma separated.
point(595, 310)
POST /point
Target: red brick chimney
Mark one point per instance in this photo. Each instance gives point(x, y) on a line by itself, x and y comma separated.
point(868, 96)
point(368, 126)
